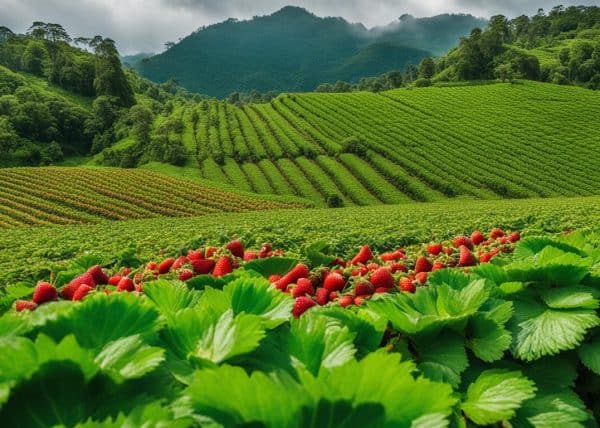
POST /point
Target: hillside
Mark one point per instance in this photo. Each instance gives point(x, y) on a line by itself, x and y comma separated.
point(426, 144)
point(43, 196)
point(294, 50)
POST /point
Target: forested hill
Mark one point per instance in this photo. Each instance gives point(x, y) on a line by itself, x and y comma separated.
point(294, 50)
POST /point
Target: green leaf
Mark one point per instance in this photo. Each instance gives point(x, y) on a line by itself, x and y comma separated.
point(590, 355)
point(318, 254)
point(129, 358)
point(455, 279)
point(442, 358)
point(486, 338)
point(271, 265)
point(318, 341)
point(148, 415)
point(170, 296)
point(65, 276)
point(569, 297)
point(496, 395)
point(341, 414)
point(87, 261)
point(558, 413)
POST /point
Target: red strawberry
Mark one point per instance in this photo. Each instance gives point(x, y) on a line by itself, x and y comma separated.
point(265, 250)
point(44, 292)
point(303, 287)
point(448, 251)
point(194, 255)
point(299, 271)
point(151, 266)
point(434, 249)
point(21, 305)
point(389, 257)
point(166, 265)
point(236, 248)
point(126, 271)
point(100, 278)
point(485, 257)
point(359, 300)
point(423, 265)
point(202, 266)
point(346, 301)
point(421, 277)
point(437, 265)
point(139, 287)
point(210, 251)
point(462, 240)
point(398, 267)
point(514, 237)
point(364, 288)
point(496, 233)
point(477, 237)
point(274, 278)
point(82, 292)
point(222, 267)
point(322, 296)
point(363, 256)
point(301, 305)
point(250, 255)
point(466, 257)
point(179, 263)
point(406, 284)
point(381, 290)
point(69, 290)
point(334, 282)
point(125, 284)
point(333, 295)
point(382, 278)
point(114, 280)
point(372, 266)
point(185, 275)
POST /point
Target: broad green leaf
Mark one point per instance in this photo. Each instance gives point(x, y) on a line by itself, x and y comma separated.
point(151, 415)
point(533, 245)
point(455, 279)
point(569, 297)
point(442, 358)
point(318, 254)
point(341, 414)
point(496, 395)
point(487, 339)
point(271, 265)
point(494, 273)
point(558, 413)
point(170, 296)
point(590, 355)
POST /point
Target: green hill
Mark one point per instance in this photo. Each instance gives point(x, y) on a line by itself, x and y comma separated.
point(294, 50)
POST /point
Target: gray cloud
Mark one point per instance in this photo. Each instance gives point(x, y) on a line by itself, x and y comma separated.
point(144, 25)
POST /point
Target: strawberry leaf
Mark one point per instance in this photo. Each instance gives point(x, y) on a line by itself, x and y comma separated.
point(170, 296)
point(442, 358)
point(590, 354)
point(271, 265)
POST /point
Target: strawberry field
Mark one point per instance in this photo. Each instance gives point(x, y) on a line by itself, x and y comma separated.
point(485, 328)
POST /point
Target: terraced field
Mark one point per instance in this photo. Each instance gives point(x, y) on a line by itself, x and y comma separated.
point(42, 196)
point(429, 144)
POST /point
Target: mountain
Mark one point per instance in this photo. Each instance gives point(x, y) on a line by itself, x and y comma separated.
point(132, 60)
point(294, 50)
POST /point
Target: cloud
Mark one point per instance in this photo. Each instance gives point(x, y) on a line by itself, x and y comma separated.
point(145, 25)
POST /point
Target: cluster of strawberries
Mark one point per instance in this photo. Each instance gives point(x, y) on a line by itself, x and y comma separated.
point(402, 270)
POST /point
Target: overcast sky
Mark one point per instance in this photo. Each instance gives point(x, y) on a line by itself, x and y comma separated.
point(144, 25)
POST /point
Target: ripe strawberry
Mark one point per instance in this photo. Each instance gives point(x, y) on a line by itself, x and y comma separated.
point(299, 271)
point(139, 287)
point(195, 255)
point(389, 257)
point(437, 265)
point(364, 288)
point(382, 278)
point(406, 284)
point(222, 267)
point(448, 251)
point(462, 240)
point(179, 263)
point(126, 271)
point(202, 266)
point(466, 257)
point(210, 251)
point(380, 290)
point(333, 295)
point(514, 237)
point(100, 278)
point(301, 305)
point(125, 284)
point(363, 256)
point(359, 300)
point(434, 249)
point(236, 248)
point(44, 292)
point(398, 267)
point(69, 290)
point(423, 265)
point(334, 282)
point(421, 277)
point(21, 305)
point(265, 250)
point(322, 296)
point(114, 280)
point(185, 275)
point(151, 266)
point(477, 237)
point(274, 278)
point(250, 255)
point(485, 257)
point(303, 287)
point(496, 233)
point(346, 301)
point(166, 266)
point(82, 292)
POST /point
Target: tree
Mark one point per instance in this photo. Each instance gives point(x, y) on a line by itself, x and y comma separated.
point(33, 57)
point(110, 79)
point(5, 33)
point(38, 30)
point(395, 79)
point(141, 118)
point(427, 68)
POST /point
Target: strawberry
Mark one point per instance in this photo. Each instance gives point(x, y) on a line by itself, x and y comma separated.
point(503, 240)
point(437, 265)
point(338, 262)
point(496, 233)
point(363, 256)
point(236, 248)
point(139, 287)
point(381, 290)
point(359, 300)
point(301, 305)
point(421, 277)
point(448, 251)
point(390, 257)
point(44, 292)
point(423, 265)
point(466, 257)
point(346, 301)
point(222, 267)
point(151, 266)
point(398, 267)
point(114, 280)
point(364, 288)
point(202, 266)
point(250, 255)
point(477, 237)
point(100, 278)
point(185, 275)
point(434, 249)
point(406, 284)
point(82, 292)
point(333, 295)
point(372, 266)
point(514, 237)
point(382, 278)
point(303, 287)
point(322, 296)
point(274, 278)
point(69, 290)
point(210, 251)
point(125, 284)
point(485, 257)
point(166, 266)
point(462, 240)
point(194, 255)
point(126, 271)
point(334, 282)
point(21, 305)
point(299, 271)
